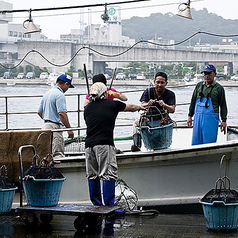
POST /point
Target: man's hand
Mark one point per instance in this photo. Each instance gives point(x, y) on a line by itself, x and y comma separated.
point(223, 126)
point(189, 121)
point(70, 134)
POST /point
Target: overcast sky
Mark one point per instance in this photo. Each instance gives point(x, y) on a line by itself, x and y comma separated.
point(54, 23)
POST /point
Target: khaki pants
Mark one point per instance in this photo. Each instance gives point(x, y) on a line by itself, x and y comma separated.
point(58, 139)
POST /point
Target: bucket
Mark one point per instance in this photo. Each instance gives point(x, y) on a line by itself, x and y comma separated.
point(157, 137)
point(42, 192)
point(220, 215)
point(6, 199)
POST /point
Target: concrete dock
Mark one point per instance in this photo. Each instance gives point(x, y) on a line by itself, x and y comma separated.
point(133, 226)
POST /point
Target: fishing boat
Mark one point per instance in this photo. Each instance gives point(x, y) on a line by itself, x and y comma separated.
point(178, 175)
point(11, 83)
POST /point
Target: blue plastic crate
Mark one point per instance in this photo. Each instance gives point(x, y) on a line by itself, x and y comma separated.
point(220, 216)
point(42, 192)
point(157, 137)
point(6, 199)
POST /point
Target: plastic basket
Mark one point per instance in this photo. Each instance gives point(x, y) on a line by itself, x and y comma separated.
point(220, 216)
point(6, 199)
point(42, 192)
point(158, 137)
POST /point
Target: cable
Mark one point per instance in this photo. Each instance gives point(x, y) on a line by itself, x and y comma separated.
point(119, 54)
point(71, 7)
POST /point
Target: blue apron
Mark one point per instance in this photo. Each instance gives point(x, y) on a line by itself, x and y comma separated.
point(205, 126)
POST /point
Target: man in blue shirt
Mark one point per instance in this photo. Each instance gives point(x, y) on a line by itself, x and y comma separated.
point(53, 111)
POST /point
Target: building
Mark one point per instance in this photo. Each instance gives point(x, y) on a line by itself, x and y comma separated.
point(10, 33)
point(105, 33)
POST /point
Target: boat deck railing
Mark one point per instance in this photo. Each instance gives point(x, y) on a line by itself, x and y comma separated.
point(7, 111)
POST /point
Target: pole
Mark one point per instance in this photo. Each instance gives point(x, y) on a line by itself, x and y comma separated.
point(113, 78)
point(86, 77)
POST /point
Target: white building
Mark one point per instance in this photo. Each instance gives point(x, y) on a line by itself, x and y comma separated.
point(104, 33)
point(10, 33)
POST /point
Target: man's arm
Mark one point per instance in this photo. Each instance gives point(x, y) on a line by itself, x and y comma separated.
point(123, 97)
point(40, 113)
point(133, 108)
point(65, 120)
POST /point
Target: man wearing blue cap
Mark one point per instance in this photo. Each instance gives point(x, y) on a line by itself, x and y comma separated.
point(207, 100)
point(53, 111)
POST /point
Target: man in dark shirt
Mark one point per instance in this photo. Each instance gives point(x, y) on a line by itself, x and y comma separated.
point(100, 115)
point(158, 96)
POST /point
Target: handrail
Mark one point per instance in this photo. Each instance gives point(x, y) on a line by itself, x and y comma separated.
point(78, 110)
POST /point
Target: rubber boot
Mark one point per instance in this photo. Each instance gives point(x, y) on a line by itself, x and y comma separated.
point(136, 142)
point(109, 192)
point(109, 195)
point(95, 192)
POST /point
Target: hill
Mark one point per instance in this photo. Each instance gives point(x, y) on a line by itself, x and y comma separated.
point(170, 26)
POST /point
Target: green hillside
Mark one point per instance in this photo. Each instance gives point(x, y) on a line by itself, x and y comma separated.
point(170, 26)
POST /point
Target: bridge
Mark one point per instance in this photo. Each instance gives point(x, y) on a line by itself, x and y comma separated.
point(95, 56)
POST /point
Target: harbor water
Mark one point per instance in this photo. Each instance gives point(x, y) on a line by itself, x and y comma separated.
point(183, 96)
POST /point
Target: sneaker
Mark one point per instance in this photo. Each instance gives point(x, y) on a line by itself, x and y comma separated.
point(134, 148)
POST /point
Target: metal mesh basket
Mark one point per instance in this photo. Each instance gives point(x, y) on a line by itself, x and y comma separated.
point(76, 145)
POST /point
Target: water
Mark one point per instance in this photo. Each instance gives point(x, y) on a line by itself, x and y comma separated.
point(183, 95)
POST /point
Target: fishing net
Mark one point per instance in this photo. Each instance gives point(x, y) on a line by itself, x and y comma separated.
point(125, 197)
point(222, 192)
point(5, 183)
point(45, 170)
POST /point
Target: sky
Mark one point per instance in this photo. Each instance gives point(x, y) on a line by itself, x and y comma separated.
point(54, 23)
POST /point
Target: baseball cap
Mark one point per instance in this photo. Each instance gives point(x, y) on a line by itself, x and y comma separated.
point(97, 90)
point(66, 78)
point(209, 68)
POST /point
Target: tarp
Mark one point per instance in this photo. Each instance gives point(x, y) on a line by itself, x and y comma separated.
point(10, 141)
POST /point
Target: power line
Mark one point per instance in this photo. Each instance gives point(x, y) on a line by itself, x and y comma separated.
point(119, 54)
point(70, 7)
point(98, 11)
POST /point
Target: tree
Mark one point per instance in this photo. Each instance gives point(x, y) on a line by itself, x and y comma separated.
point(28, 68)
point(37, 71)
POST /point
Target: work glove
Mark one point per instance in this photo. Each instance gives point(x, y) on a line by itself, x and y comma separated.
point(114, 94)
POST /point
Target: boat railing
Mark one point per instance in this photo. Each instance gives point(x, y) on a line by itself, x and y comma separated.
point(7, 111)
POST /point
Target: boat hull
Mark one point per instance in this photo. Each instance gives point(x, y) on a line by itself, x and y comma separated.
point(163, 177)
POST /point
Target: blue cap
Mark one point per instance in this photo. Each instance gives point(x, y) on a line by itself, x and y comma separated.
point(66, 78)
point(209, 68)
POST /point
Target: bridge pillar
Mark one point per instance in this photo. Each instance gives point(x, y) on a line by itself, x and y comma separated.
point(98, 67)
point(230, 68)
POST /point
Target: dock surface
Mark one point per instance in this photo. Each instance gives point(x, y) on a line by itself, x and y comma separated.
point(133, 226)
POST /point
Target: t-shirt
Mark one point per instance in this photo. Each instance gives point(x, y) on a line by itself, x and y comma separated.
point(168, 97)
point(52, 103)
point(100, 119)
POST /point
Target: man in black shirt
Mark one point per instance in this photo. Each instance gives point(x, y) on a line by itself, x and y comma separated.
point(100, 115)
point(158, 96)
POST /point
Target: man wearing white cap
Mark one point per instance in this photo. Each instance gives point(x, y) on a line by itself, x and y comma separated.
point(100, 116)
point(53, 111)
